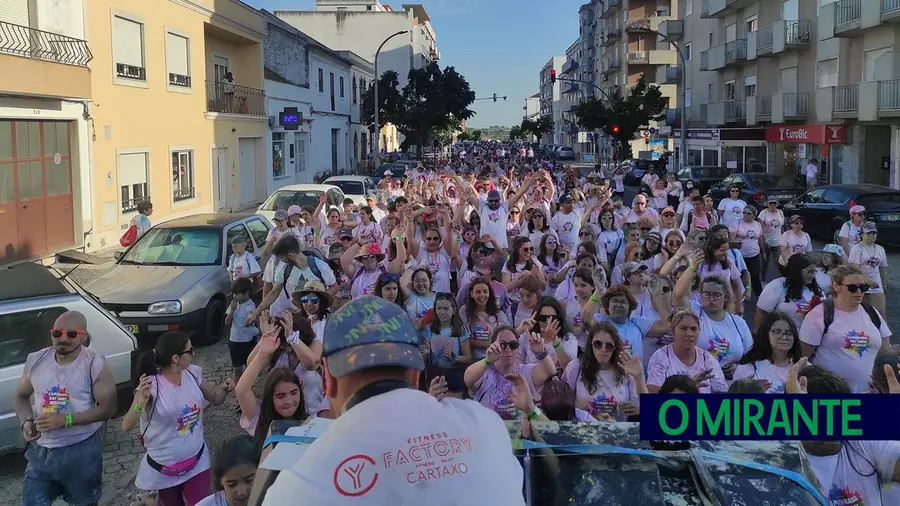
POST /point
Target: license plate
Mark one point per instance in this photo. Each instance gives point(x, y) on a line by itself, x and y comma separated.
point(132, 328)
point(891, 217)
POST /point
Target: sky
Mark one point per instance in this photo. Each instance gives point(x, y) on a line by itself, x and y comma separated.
point(499, 46)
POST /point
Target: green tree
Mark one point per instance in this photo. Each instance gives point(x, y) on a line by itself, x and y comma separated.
point(643, 104)
point(538, 128)
point(476, 135)
point(516, 133)
point(464, 136)
point(388, 95)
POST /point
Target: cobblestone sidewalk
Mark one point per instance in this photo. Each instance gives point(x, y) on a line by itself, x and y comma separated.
point(122, 451)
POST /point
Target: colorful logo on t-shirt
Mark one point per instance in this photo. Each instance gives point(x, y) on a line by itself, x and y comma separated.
point(56, 400)
point(481, 332)
point(577, 323)
point(666, 340)
point(777, 389)
point(190, 417)
point(719, 347)
point(328, 241)
point(857, 342)
point(872, 262)
point(628, 348)
point(493, 217)
point(603, 404)
point(797, 248)
point(844, 497)
point(568, 226)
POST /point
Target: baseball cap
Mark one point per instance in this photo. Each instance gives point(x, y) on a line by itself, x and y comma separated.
point(371, 196)
point(345, 232)
point(565, 198)
point(654, 236)
point(834, 249)
point(771, 199)
point(868, 226)
point(370, 332)
point(493, 195)
point(281, 215)
point(630, 268)
point(857, 209)
point(294, 210)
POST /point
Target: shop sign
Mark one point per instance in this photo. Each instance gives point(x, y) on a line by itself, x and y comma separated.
point(808, 134)
point(700, 134)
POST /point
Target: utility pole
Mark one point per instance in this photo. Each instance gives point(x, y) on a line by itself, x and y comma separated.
point(377, 142)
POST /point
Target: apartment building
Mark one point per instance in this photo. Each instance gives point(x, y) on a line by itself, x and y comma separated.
point(551, 95)
point(179, 112)
point(571, 96)
point(45, 89)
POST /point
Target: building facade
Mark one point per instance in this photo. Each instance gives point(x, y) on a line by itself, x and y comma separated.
point(45, 129)
point(550, 98)
point(571, 96)
point(361, 73)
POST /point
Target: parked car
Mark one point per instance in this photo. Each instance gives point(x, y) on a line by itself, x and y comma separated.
point(565, 153)
point(175, 276)
point(826, 208)
point(705, 176)
point(32, 297)
point(756, 188)
point(302, 195)
point(398, 171)
point(354, 187)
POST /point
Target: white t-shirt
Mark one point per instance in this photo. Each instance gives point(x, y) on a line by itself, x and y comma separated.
point(848, 478)
point(450, 448)
point(748, 234)
point(520, 269)
point(240, 331)
point(764, 370)
point(370, 233)
point(870, 260)
point(439, 265)
point(849, 347)
point(726, 340)
point(493, 222)
point(297, 279)
point(796, 244)
point(732, 210)
point(771, 225)
point(242, 266)
point(811, 171)
point(772, 299)
point(609, 391)
point(566, 227)
point(665, 363)
point(660, 198)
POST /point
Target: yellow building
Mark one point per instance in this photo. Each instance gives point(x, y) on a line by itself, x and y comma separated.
point(168, 124)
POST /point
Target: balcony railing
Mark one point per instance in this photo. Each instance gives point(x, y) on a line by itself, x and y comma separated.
point(233, 99)
point(704, 60)
point(889, 95)
point(179, 80)
point(797, 32)
point(131, 72)
point(890, 6)
point(795, 104)
point(764, 40)
point(24, 41)
point(673, 28)
point(735, 50)
point(638, 57)
point(697, 114)
point(764, 106)
point(131, 205)
point(734, 110)
point(847, 11)
point(845, 98)
point(183, 194)
point(638, 25)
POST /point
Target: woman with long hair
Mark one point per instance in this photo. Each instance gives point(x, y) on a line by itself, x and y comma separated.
point(794, 294)
point(748, 232)
point(672, 254)
point(233, 471)
point(550, 322)
point(610, 239)
point(416, 286)
point(552, 255)
point(832, 257)
point(168, 404)
point(717, 262)
point(537, 226)
point(521, 260)
point(482, 315)
point(684, 357)
point(446, 348)
point(606, 379)
point(776, 347)
point(388, 288)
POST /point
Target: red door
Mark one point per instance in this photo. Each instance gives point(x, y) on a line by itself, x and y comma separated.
point(60, 214)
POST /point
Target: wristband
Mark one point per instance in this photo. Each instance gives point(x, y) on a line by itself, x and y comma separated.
point(692, 269)
point(487, 362)
point(593, 299)
point(68, 419)
point(138, 408)
point(542, 356)
point(536, 412)
point(558, 344)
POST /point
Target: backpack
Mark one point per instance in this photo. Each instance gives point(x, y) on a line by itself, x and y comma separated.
point(828, 311)
point(313, 267)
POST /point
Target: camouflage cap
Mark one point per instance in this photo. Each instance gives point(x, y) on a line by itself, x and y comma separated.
point(370, 332)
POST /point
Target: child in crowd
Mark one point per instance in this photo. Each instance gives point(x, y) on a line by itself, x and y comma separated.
point(243, 335)
point(233, 470)
point(242, 264)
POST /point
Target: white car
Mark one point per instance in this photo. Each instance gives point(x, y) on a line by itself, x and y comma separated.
point(302, 195)
point(354, 187)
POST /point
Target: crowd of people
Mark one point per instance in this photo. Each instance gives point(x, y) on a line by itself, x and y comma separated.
point(533, 290)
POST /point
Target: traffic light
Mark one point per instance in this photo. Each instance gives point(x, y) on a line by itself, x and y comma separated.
point(552, 76)
point(495, 98)
point(647, 141)
point(615, 129)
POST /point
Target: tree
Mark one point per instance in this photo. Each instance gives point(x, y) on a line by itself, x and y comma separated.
point(643, 104)
point(516, 133)
point(431, 101)
point(538, 128)
point(476, 135)
point(464, 136)
point(389, 97)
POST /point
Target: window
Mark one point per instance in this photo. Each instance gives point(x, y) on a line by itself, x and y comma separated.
point(26, 332)
point(870, 60)
point(710, 39)
point(342, 87)
point(354, 90)
point(300, 148)
point(331, 88)
point(731, 32)
point(688, 8)
point(687, 97)
point(177, 246)
point(687, 51)
point(277, 154)
point(128, 49)
point(750, 24)
point(259, 230)
point(235, 232)
point(321, 81)
point(132, 170)
point(182, 175)
point(178, 60)
point(750, 86)
point(729, 90)
point(827, 73)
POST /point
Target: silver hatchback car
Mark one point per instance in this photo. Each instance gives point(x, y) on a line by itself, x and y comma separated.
point(175, 276)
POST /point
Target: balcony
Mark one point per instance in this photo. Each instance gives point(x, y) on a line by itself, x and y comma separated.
point(612, 36)
point(36, 62)
point(845, 101)
point(864, 101)
point(668, 75)
point(735, 52)
point(726, 112)
point(612, 65)
point(672, 28)
point(758, 109)
point(610, 8)
point(652, 57)
point(889, 97)
point(789, 106)
point(711, 9)
point(697, 115)
point(569, 66)
point(778, 38)
point(228, 98)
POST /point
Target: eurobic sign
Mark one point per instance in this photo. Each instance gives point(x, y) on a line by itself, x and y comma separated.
point(769, 416)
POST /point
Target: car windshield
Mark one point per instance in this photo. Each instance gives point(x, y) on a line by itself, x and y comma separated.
point(348, 187)
point(882, 198)
point(177, 246)
point(769, 181)
point(283, 199)
point(706, 172)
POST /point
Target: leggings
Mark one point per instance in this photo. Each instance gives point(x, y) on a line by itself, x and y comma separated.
point(188, 493)
point(753, 267)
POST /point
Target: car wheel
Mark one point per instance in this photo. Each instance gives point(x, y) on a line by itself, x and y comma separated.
point(214, 324)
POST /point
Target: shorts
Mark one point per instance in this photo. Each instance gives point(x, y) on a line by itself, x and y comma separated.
point(240, 352)
point(73, 472)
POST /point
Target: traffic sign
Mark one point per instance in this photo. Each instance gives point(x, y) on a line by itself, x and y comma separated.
point(651, 130)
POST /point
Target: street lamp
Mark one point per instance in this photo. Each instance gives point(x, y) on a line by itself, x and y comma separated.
point(377, 143)
point(682, 155)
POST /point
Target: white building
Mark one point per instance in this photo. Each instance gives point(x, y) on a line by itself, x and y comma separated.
point(550, 98)
point(303, 74)
point(532, 107)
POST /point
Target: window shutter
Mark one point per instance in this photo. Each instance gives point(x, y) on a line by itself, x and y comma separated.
point(871, 57)
point(128, 42)
point(827, 73)
point(132, 169)
point(177, 54)
point(14, 11)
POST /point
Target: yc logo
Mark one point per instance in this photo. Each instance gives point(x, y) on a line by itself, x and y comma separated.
point(355, 476)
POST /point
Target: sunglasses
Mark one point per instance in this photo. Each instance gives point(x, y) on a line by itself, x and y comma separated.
point(70, 333)
point(432, 238)
point(347, 238)
point(666, 289)
point(796, 222)
point(310, 299)
point(674, 244)
point(385, 278)
point(527, 249)
point(586, 234)
point(509, 345)
point(669, 215)
point(189, 351)
point(862, 287)
point(544, 318)
point(646, 229)
point(514, 212)
point(481, 251)
point(734, 190)
point(599, 345)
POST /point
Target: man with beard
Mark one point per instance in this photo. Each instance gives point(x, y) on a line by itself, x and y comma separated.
point(74, 393)
point(493, 210)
